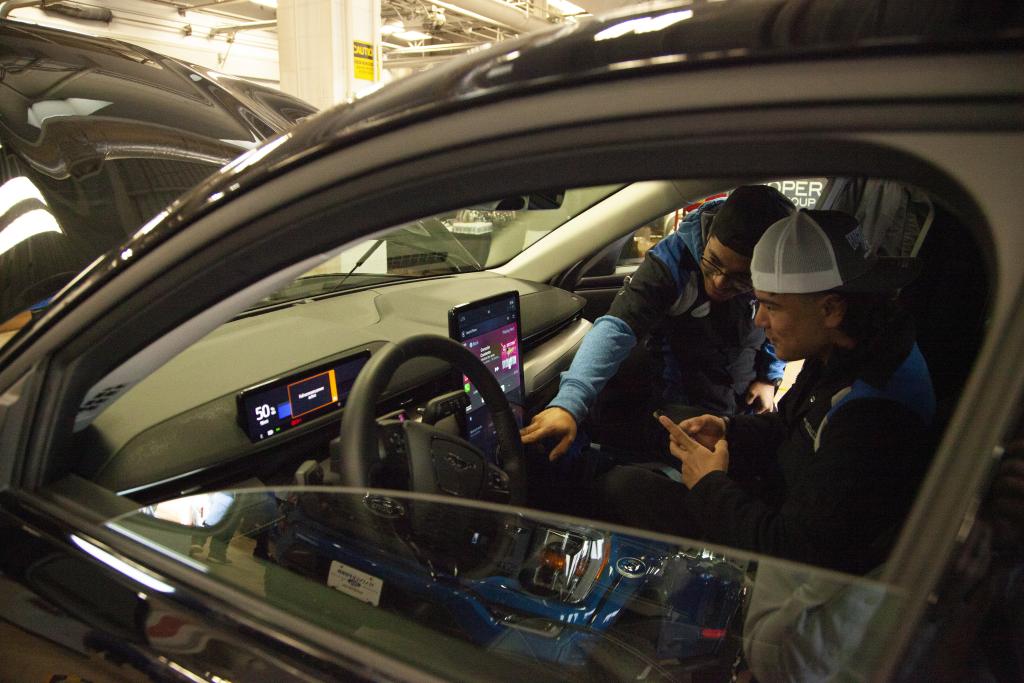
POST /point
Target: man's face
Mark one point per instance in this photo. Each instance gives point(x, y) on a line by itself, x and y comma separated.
point(726, 272)
point(798, 325)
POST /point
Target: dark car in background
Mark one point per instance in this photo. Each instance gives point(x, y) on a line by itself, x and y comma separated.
point(97, 137)
point(150, 528)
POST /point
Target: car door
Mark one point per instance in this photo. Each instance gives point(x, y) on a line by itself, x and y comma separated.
point(180, 279)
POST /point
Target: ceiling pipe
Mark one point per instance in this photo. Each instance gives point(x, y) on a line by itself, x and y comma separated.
point(9, 6)
point(76, 10)
point(205, 5)
point(441, 47)
point(248, 26)
point(413, 62)
point(495, 12)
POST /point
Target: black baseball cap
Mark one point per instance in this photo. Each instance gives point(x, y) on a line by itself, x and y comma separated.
point(823, 251)
point(746, 214)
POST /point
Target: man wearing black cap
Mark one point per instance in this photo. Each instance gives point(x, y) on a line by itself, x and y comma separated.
point(828, 479)
point(692, 295)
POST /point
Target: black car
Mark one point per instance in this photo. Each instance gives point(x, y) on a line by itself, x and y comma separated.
point(233, 446)
point(98, 136)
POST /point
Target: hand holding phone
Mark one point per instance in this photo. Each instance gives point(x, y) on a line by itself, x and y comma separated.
point(699, 454)
point(707, 430)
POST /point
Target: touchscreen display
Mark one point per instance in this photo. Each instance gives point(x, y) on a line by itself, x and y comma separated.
point(490, 329)
point(278, 405)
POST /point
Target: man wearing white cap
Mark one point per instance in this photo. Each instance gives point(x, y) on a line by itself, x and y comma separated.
point(828, 479)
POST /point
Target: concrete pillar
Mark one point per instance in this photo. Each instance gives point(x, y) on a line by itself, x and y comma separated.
point(329, 49)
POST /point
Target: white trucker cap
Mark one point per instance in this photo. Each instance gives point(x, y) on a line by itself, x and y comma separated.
point(821, 251)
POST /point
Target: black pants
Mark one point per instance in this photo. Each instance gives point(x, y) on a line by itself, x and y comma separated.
point(642, 497)
point(626, 486)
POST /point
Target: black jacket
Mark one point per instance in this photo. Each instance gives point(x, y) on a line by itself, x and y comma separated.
point(709, 352)
point(829, 478)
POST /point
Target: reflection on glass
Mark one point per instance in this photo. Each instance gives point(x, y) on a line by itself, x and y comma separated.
point(205, 509)
point(522, 593)
point(72, 106)
point(152, 223)
point(18, 190)
point(217, 518)
point(16, 194)
point(27, 225)
point(122, 567)
point(800, 625)
point(253, 157)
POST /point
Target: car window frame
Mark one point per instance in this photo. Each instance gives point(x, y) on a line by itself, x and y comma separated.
point(822, 149)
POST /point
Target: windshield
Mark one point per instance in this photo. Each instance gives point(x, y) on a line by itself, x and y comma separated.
point(469, 239)
point(470, 591)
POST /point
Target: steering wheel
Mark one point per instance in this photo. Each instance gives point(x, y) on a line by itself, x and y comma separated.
point(437, 462)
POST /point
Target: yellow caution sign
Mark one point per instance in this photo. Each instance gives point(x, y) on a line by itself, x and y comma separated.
point(362, 58)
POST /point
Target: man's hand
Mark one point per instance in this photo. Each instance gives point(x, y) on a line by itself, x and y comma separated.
point(707, 430)
point(697, 460)
point(552, 423)
point(761, 397)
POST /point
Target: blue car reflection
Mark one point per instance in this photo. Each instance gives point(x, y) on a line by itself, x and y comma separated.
point(551, 592)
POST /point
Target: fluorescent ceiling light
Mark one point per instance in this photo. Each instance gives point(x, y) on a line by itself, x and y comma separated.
point(412, 35)
point(265, 3)
point(391, 28)
point(565, 7)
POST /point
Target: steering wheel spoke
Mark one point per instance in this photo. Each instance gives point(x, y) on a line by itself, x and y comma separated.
point(371, 453)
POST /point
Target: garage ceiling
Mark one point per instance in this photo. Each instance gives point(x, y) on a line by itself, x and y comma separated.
point(419, 31)
point(415, 33)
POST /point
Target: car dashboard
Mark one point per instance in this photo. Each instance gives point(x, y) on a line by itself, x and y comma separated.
point(179, 430)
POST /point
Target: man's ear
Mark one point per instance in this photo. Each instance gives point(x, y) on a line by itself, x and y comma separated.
point(833, 309)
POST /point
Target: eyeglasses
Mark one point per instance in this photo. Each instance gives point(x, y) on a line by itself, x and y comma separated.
point(738, 281)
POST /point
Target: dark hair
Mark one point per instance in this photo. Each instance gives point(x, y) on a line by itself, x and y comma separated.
point(869, 315)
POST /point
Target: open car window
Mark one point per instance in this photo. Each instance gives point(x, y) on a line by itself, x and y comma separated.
point(518, 590)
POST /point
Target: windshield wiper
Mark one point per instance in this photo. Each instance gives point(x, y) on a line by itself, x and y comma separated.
point(360, 261)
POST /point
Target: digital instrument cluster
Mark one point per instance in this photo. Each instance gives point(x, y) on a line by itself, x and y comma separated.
point(281, 404)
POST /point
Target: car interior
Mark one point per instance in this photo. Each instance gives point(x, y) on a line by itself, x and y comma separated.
point(148, 434)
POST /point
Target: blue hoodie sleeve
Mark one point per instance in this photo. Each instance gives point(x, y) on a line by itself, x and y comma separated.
point(604, 348)
point(768, 367)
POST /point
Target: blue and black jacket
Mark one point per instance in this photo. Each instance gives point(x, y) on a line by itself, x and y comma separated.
point(829, 478)
point(709, 352)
